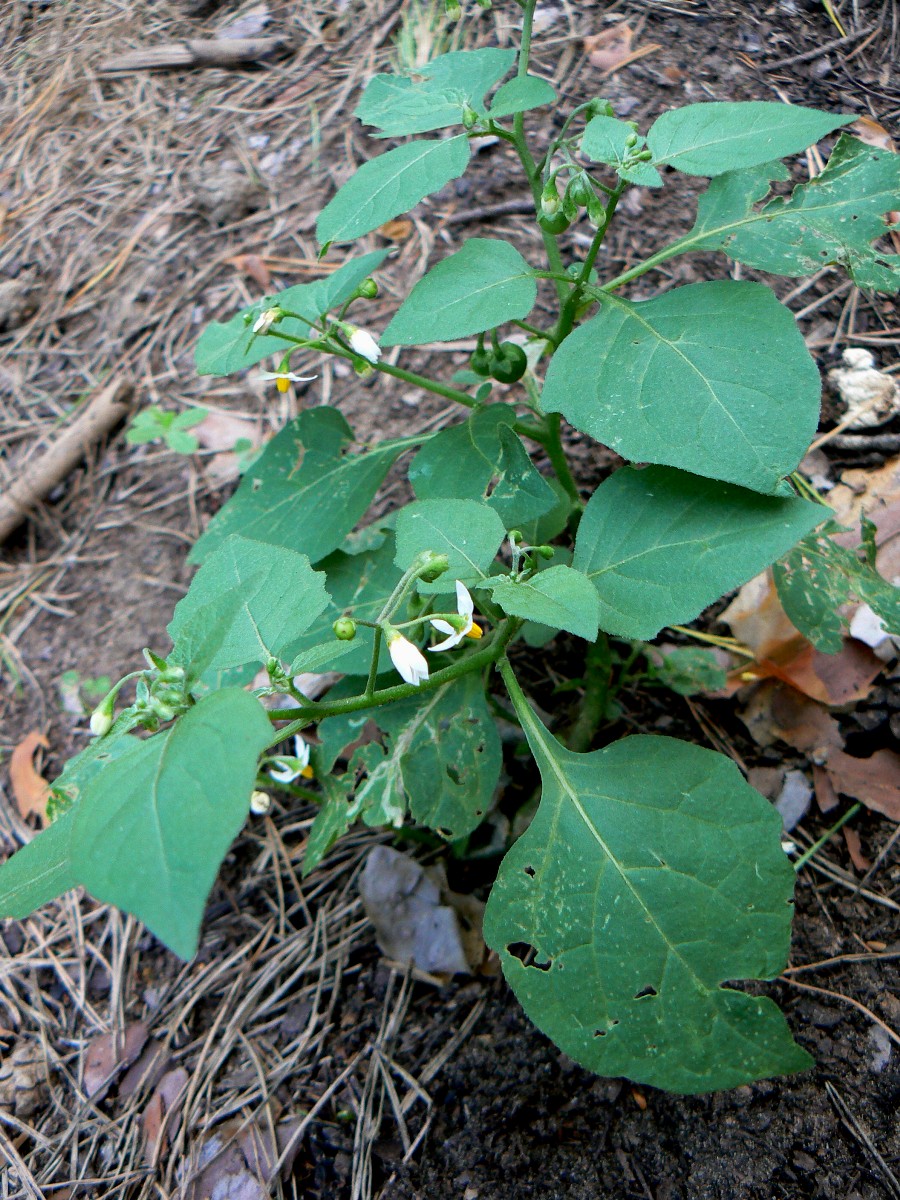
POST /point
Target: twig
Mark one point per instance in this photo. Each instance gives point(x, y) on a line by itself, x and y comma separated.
point(809, 55)
point(195, 52)
point(36, 480)
point(863, 1138)
point(867, 1012)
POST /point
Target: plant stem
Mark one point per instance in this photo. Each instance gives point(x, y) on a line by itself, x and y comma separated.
point(556, 454)
point(318, 711)
point(597, 674)
point(373, 668)
point(817, 846)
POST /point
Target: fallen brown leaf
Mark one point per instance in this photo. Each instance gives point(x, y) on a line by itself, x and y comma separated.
point(255, 267)
point(611, 49)
point(23, 1080)
point(873, 781)
point(854, 849)
point(161, 1114)
point(219, 431)
point(397, 230)
point(238, 1158)
point(109, 1054)
point(776, 712)
point(30, 790)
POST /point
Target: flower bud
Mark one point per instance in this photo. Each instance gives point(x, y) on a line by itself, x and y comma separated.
point(516, 536)
point(631, 140)
point(344, 629)
point(260, 803)
point(368, 289)
point(543, 551)
point(363, 344)
point(432, 566)
point(599, 107)
point(550, 199)
point(266, 320)
point(102, 718)
point(454, 10)
point(469, 117)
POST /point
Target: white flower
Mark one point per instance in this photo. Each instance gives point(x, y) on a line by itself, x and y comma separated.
point(266, 320)
point(363, 344)
point(101, 721)
point(260, 803)
point(407, 658)
point(293, 768)
point(284, 379)
point(465, 606)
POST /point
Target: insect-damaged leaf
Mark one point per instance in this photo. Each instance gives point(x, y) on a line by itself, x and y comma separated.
point(651, 874)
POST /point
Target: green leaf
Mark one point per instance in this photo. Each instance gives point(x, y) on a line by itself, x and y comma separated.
point(818, 578)
point(391, 184)
point(660, 545)
point(231, 346)
point(559, 597)
point(483, 459)
point(719, 136)
point(436, 99)
point(688, 670)
point(339, 811)
point(150, 832)
point(303, 492)
point(714, 378)
point(833, 219)
point(359, 586)
point(281, 596)
point(605, 140)
point(40, 871)
point(469, 534)
point(520, 95)
point(651, 874)
point(484, 284)
point(441, 758)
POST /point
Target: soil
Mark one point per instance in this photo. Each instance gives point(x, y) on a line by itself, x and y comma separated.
point(114, 198)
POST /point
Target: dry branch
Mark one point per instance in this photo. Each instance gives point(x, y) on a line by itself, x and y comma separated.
point(37, 479)
point(195, 52)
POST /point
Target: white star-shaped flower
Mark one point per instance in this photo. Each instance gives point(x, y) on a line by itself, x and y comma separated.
point(465, 606)
point(407, 658)
point(296, 767)
point(284, 379)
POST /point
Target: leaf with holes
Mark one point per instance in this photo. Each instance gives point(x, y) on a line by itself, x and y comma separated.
point(304, 492)
point(441, 758)
point(659, 545)
point(714, 378)
point(719, 136)
point(484, 284)
point(651, 875)
point(391, 184)
point(836, 218)
point(818, 578)
point(438, 96)
point(229, 346)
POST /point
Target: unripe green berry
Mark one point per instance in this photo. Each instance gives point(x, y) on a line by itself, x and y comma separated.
point(344, 629)
point(556, 224)
point(480, 362)
point(546, 552)
point(509, 363)
point(580, 191)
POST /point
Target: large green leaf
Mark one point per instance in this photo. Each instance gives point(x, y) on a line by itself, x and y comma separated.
point(280, 597)
point(833, 219)
point(818, 578)
point(714, 378)
point(714, 137)
point(560, 598)
point(150, 832)
point(391, 184)
point(231, 346)
point(359, 586)
point(303, 492)
point(650, 876)
point(483, 459)
point(437, 97)
point(660, 545)
point(469, 534)
point(487, 283)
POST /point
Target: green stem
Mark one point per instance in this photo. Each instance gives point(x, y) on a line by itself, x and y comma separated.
point(569, 312)
point(557, 456)
point(817, 846)
point(318, 711)
point(422, 381)
point(597, 674)
point(373, 668)
point(531, 726)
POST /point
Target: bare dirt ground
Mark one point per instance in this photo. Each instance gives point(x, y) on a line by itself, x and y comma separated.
point(133, 208)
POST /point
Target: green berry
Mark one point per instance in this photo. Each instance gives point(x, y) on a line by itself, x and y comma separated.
point(509, 363)
point(555, 224)
point(344, 629)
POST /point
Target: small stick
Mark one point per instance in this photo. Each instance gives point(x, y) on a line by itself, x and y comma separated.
point(37, 479)
point(809, 55)
point(195, 52)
